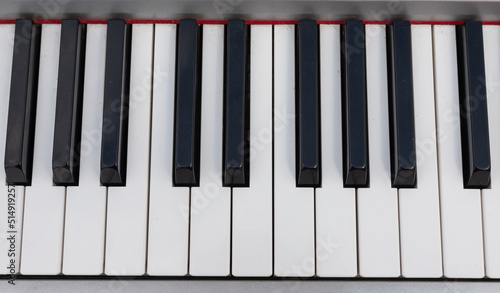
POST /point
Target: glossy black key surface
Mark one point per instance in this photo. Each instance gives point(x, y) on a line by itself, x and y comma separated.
point(68, 123)
point(354, 107)
point(307, 99)
point(115, 105)
point(401, 113)
point(476, 162)
point(186, 167)
point(236, 106)
point(22, 103)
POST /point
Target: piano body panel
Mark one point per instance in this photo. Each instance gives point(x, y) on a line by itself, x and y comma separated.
point(243, 286)
point(278, 10)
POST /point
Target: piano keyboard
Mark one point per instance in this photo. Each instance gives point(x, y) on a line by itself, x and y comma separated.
point(250, 150)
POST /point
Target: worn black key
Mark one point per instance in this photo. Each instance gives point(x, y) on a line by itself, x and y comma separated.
point(115, 106)
point(68, 123)
point(236, 106)
point(22, 103)
point(354, 107)
point(401, 113)
point(186, 168)
point(307, 111)
point(473, 106)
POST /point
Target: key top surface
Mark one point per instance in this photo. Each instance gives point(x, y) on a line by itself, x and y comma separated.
point(461, 221)
point(308, 132)
point(11, 197)
point(127, 206)
point(115, 105)
point(490, 198)
point(476, 160)
point(22, 105)
point(401, 112)
point(293, 207)
point(419, 216)
point(168, 242)
point(85, 216)
point(67, 132)
point(252, 253)
point(43, 225)
point(336, 245)
point(187, 105)
point(210, 217)
point(236, 106)
point(378, 227)
point(354, 107)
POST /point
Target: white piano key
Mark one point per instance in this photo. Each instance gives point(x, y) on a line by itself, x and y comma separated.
point(127, 214)
point(461, 221)
point(168, 206)
point(491, 197)
point(84, 229)
point(419, 217)
point(294, 253)
point(336, 249)
point(210, 202)
point(44, 203)
point(378, 225)
point(252, 207)
point(11, 198)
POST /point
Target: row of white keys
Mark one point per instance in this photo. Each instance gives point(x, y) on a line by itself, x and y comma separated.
point(378, 223)
point(44, 203)
point(85, 223)
point(252, 207)
point(210, 214)
point(127, 207)
point(168, 205)
point(491, 197)
point(461, 222)
point(336, 249)
point(294, 252)
point(11, 198)
point(419, 207)
point(210, 208)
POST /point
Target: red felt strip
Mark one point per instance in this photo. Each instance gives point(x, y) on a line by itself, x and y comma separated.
point(212, 21)
point(438, 22)
point(250, 22)
point(149, 21)
point(88, 21)
point(270, 22)
point(47, 21)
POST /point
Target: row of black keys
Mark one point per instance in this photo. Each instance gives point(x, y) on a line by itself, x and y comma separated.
point(186, 166)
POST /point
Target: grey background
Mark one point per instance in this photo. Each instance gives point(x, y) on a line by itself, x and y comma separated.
point(368, 10)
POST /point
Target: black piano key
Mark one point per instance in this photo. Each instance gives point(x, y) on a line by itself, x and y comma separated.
point(186, 167)
point(401, 113)
point(473, 106)
point(236, 106)
point(22, 103)
point(307, 108)
point(115, 105)
point(354, 107)
point(67, 129)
